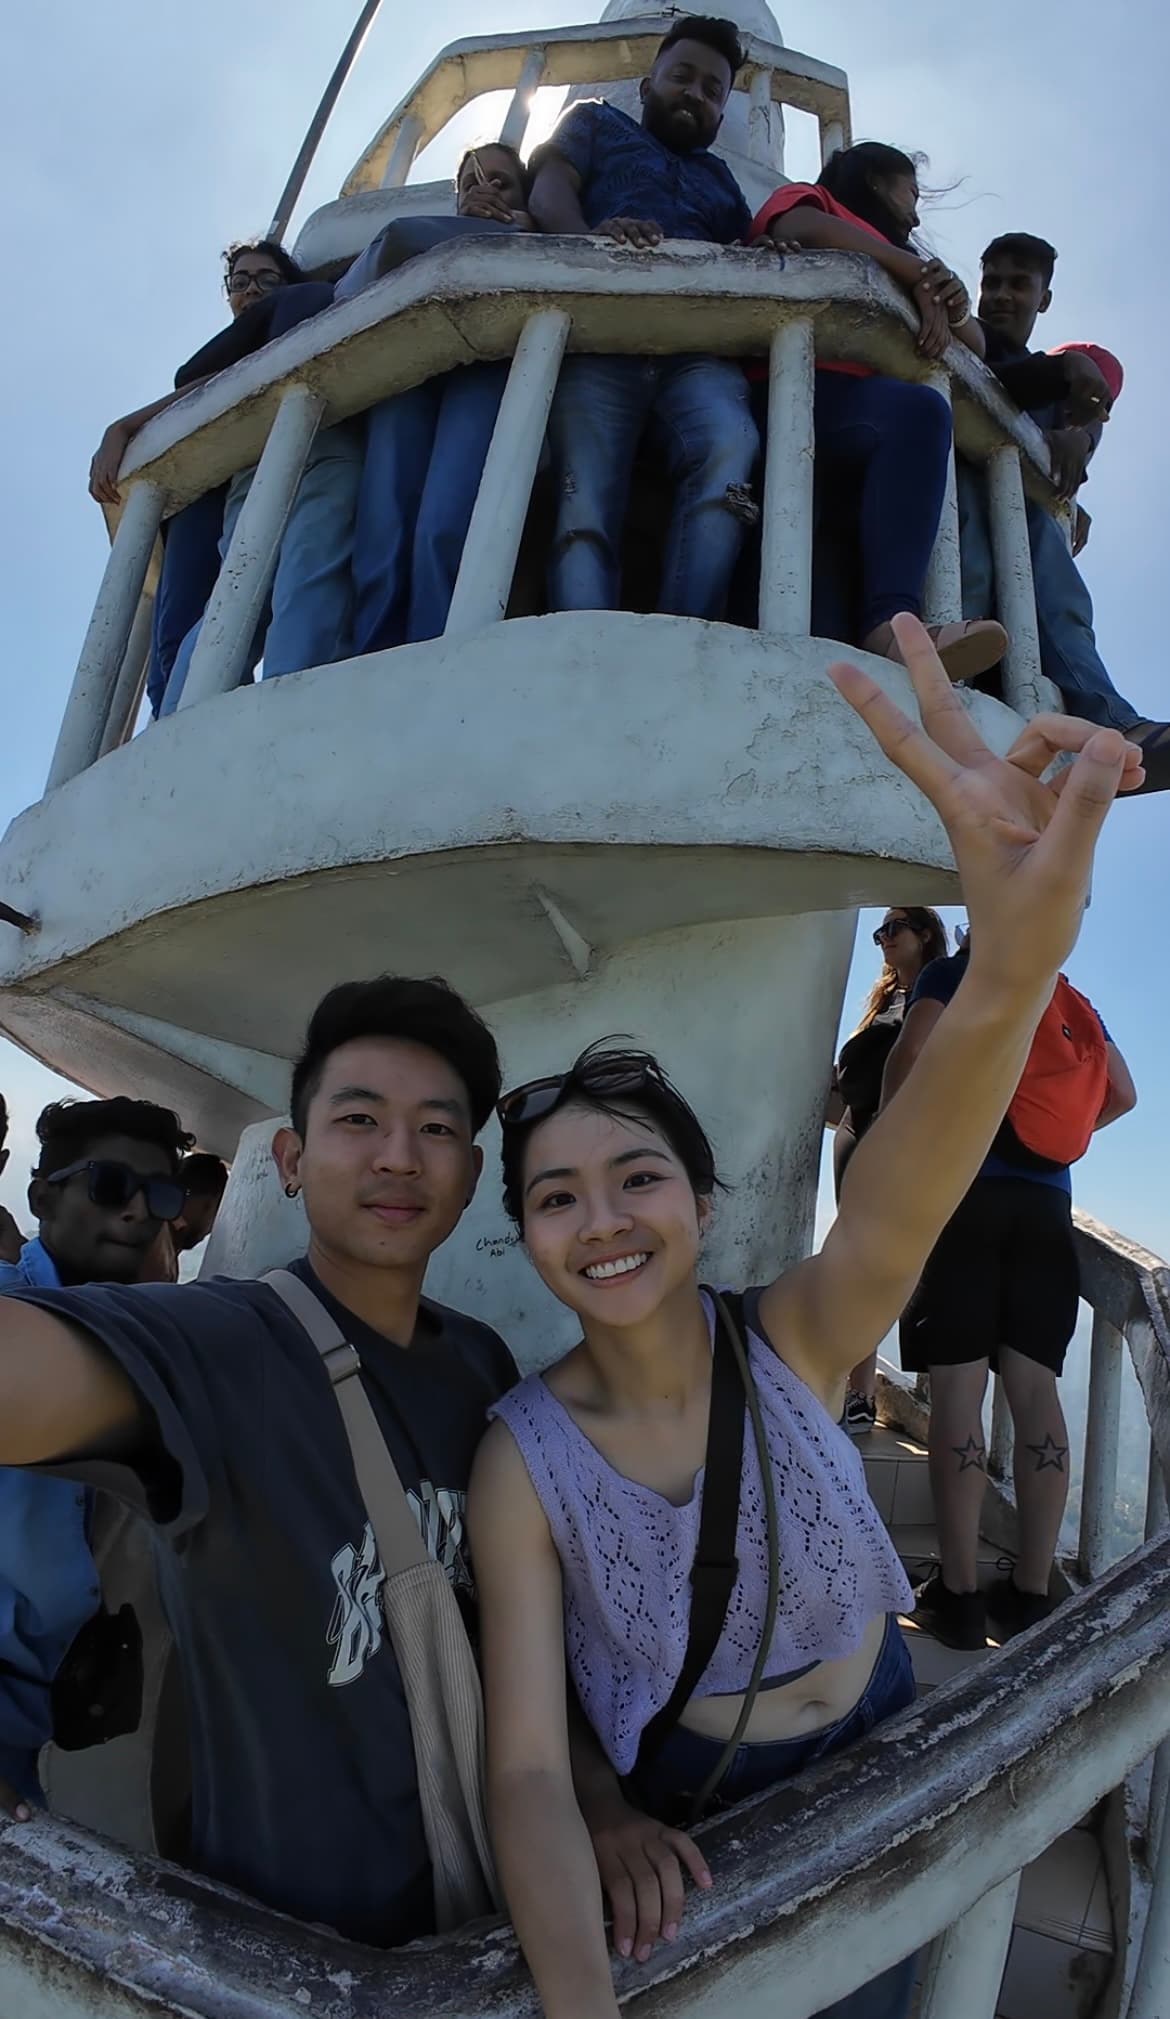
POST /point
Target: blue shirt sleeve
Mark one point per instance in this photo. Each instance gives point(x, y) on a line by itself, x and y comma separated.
point(938, 981)
point(572, 138)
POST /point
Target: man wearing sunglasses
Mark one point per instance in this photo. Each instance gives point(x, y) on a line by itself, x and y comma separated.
point(105, 1182)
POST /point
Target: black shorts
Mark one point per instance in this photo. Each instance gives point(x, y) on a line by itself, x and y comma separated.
point(1003, 1273)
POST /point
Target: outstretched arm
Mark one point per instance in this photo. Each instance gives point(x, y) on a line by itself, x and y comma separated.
point(1024, 852)
point(60, 1395)
point(541, 1842)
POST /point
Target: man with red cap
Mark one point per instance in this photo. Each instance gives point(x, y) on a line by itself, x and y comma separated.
point(1069, 392)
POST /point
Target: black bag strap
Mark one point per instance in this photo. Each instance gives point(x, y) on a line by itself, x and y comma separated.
point(716, 1565)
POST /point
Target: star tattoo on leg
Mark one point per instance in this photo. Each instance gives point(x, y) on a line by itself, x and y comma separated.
point(1050, 1455)
point(971, 1454)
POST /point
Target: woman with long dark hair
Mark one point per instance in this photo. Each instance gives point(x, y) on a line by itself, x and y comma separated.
point(881, 443)
point(908, 937)
point(683, 1410)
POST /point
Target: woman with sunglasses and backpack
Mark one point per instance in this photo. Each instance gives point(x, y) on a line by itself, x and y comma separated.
point(591, 1499)
point(908, 937)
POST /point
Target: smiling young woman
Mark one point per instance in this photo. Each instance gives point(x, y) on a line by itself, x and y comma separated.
point(593, 1491)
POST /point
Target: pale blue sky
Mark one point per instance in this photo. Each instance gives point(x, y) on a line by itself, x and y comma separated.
point(138, 139)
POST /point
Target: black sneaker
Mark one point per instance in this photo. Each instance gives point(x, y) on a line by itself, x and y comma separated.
point(957, 1618)
point(1013, 1610)
point(860, 1414)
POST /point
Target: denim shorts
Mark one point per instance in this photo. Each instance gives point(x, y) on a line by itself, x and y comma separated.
point(669, 1785)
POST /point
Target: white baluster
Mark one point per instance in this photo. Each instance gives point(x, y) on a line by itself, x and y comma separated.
point(1150, 1998)
point(965, 1966)
point(401, 157)
point(237, 600)
point(832, 138)
point(760, 117)
point(96, 679)
point(131, 678)
point(1024, 688)
point(942, 601)
point(1102, 1430)
point(516, 118)
point(1156, 1510)
point(1002, 1434)
point(501, 507)
point(786, 554)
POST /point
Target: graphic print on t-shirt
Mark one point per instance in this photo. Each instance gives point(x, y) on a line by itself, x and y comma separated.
point(438, 1511)
point(355, 1626)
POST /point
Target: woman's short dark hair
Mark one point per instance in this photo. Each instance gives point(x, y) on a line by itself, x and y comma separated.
point(284, 261)
point(425, 1013)
point(849, 176)
point(656, 1100)
point(68, 1130)
point(713, 32)
point(496, 147)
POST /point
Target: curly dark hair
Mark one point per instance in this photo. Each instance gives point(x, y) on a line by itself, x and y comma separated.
point(280, 258)
point(67, 1130)
point(714, 33)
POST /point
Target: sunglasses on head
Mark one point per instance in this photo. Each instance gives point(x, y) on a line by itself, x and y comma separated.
point(630, 1073)
point(889, 929)
point(112, 1186)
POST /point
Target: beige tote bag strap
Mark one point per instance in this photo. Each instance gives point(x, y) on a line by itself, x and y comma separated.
point(396, 1531)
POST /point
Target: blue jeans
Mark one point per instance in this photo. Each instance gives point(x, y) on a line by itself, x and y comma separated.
point(698, 413)
point(686, 1759)
point(881, 461)
point(425, 452)
point(1064, 608)
point(189, 567)
point(312, 589)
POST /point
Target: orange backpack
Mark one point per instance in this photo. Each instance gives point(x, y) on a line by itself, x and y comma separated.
point(1054, 1109)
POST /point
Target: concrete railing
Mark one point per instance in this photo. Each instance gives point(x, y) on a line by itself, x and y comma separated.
point(530, 299)
point(601, 53)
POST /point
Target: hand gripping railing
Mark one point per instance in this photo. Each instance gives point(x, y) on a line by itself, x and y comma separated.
point(527, 300)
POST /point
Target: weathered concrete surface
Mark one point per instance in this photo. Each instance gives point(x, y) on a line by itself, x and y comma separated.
point(819, 1884)
point(717, 777)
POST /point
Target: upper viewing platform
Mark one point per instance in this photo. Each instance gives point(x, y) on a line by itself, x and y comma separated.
point(713, 771)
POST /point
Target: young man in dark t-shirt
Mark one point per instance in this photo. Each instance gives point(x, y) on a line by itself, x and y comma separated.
point(1068, 393)
point(1000, 1289)
point(207, 1407)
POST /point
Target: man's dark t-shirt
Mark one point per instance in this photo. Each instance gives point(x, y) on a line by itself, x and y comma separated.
point(304, 1789)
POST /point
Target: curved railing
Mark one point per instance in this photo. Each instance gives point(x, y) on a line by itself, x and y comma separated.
point(595, 53)
point(531, 299)
point(918, 1836)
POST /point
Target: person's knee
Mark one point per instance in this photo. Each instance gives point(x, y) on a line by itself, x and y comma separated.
point(1030, 1388)
point(927, 414)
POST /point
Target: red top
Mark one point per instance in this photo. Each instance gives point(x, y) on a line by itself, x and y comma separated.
point(801, 194)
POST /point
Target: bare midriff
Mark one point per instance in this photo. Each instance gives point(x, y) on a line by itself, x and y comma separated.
point(807, 1704)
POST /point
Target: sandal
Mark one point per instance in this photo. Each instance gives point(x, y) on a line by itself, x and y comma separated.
point(1153, 739)
point(966, 650)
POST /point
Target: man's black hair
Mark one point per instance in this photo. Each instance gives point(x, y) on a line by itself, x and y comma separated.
point(68, 1130)
point(3, 1121)
point(1034, 254)
point(280, 258)
point(722, 36)
point(416, 1012)
point(203, 1176)
point(848, 175)
point(498, 147)
point(657, 1100)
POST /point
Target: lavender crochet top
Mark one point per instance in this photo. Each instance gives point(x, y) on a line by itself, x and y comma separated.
point(626, 1553)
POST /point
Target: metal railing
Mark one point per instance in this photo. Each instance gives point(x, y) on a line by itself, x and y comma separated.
point(596, 53)
point(530, 299)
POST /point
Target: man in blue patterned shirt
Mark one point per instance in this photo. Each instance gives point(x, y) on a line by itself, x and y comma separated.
point(603, 173)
